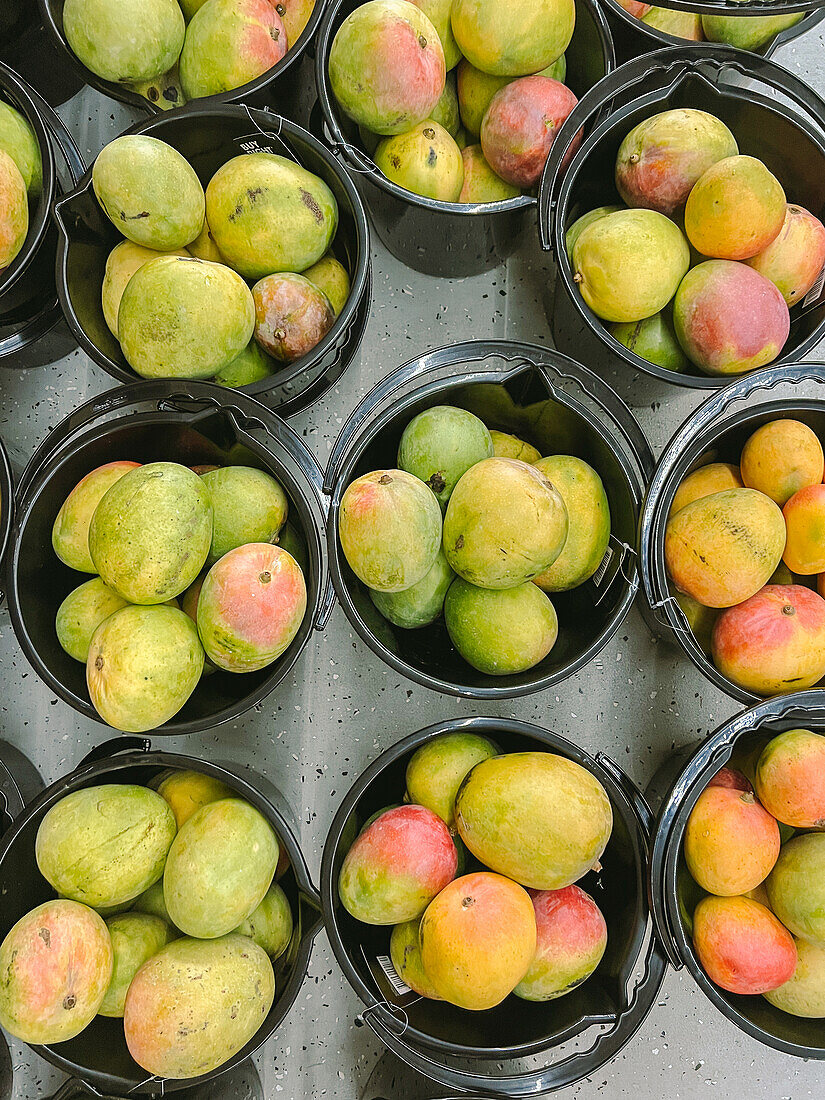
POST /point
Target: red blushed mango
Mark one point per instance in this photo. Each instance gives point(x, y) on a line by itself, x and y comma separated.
point(742, 946)
point(635, 7)
point(731, 778)
point(790, 778)
point(291, 315)
point(520, 126)
point(782, 457)
point(729, 319)
point(805, 519)
point(478, 938)
point(820, 584)
point(731, 842)
point(704, 482)
point(251, 606)
point(228, 43)
point(794, 259)
point(571, 937)
point(396, 866)
point(735, 210)
point(774, 642)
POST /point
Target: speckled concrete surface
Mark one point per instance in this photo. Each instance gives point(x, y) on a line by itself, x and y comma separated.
point(342, 706)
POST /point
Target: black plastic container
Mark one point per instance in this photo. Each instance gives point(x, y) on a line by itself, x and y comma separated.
point(674, 894)
point(283, 87)
point(717, 432)
point(208, 137)
point(147, 422)
point(452, 1046)
point(790, 141)
point(633, 37)
point(447, 238)
point(98, 1056)
point(239, 1083)
point(30, 50)
point(560, 407)
point(29, 309)
point(6, 501)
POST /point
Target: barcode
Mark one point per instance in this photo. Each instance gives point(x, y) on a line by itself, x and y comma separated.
point(598, 576)
point(816, 289)
point(391, 974)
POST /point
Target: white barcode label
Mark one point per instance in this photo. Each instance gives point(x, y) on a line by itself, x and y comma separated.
point(391, 974)
point(598, 576)
point(813, 294)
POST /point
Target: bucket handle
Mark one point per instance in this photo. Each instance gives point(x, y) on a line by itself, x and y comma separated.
point(712, 62)
point(107, 749)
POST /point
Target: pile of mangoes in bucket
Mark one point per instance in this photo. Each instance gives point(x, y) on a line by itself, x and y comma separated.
point(535, 822)
point(757, 851)
point(704, 262)
point(21, 180)
point(176, 292)
point(515, 526)
point(481, 138)
point(745, 548)
point(171, 51)
point(744, 32)
point(147, 532)
point(169, 916)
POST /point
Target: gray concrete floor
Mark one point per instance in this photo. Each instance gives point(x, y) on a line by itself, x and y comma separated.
point(342, 706)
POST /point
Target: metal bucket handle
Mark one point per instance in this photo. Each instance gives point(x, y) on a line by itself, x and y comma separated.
point(713, 61)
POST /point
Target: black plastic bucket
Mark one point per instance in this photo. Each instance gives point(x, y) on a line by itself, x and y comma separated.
point(30, 50)
point(560, 407)
point(447, 238)
point(674, 894)
point(632, 37)
point(98, 1056)
point(717, 432)
point(283, 86)
point(208, 136)
point(791, 142)
point(29, 309)
point(148, 422)
point(452, 1046)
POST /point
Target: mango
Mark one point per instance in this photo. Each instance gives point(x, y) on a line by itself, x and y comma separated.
point(736, 208)
point(331, 277)
point(295, 15)
point(186, 792)
point(124, 260)
point(389, 525)
point(424, 160)
point(440, 444)
point(588, 531)
point(82, 612)
point(143, 664)
point(180, 317)
point(136, 937)
point(510, 446)
point(773, 643)
point(803, 994)
point(681, 24)
point(220, 866)
point(794, 259)
point(70, 533)
point(536, 817)
point(124, 40)
point(420, 604)
point(105, 845)
point(270, 925)
point(700, 619)
point(513, 40)
point(405, 954)
point(204, 248)
point(741, 945)
point(478, 938)
point(629, 264)
point(796, 887)
point(731, 841)
point(662, 158)
point(437, 769)
point(17, 138)
point(251, 606)
point(252, 365)
point(577, 227)
point(805, 520)
point(248, 505)
point(223, 989)
point(396, 866)
point(438, 12)
point(292, 316)
point(500, 631)
point(722, 549)
point(654, 339)
point(716, 477)
point(481, 184)
point(729, 319)
point(790, 778)
point(387, 66)
point(55, 967)
point(751, 33)
point(505, 523)
point(14, 223)
point(570, 942)
point(520, 125)
point(267, 214)
point(475, 90)
point(151, 901)
point(229, 43)
point(164, 91)
point(446, 112)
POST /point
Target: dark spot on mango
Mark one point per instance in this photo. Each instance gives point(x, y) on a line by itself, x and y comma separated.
point(153, 94)
point(385, 479)
point(459, 542)
point(70, 1001)
point(253, 193)
point(280, 9)
point(422, 41)
point(432, 158)
point(467, 903)
point(437, 482)
point(133, 217)
point(429, 133)
point(311, 203)
point(45, 935)
point(788, 609)
point(170, 95)
point(265, 577)
point(98, 662)
point(395, 160)
point(274, 34)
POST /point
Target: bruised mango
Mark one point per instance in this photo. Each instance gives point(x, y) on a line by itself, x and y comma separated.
point(424, 160)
